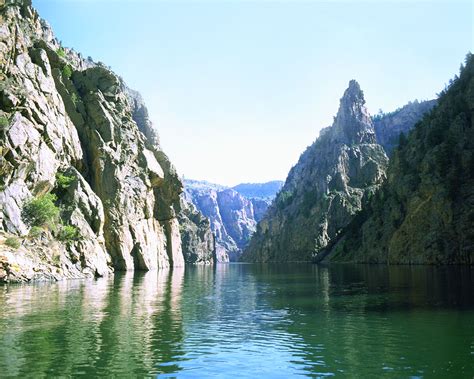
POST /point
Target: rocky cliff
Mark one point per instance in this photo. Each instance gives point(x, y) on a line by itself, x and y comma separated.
point(85, 187)
point(325, 189)
point(424, 213)
point(388, 126)
point(232, 215)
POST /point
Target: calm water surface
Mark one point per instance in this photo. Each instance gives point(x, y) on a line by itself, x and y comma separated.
point(242, 321)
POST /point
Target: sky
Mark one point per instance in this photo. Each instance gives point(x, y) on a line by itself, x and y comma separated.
point(238, 89)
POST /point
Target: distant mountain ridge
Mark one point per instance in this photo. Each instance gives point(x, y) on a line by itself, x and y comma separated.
point(203, 185)
point(266, 190)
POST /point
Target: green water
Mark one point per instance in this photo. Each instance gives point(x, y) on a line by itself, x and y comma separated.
point(238, 321)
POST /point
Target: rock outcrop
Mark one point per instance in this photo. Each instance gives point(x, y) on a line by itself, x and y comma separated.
point(424, 212)
point(325, 189)
point(66, 117)
point(388, 126)
point(233, 216)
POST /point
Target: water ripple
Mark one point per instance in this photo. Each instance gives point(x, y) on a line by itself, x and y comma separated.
point(242, 320)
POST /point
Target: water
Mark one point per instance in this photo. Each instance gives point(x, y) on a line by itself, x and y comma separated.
point(239, 321)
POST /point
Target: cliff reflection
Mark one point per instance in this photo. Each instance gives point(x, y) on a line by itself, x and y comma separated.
point(347, 313)
point(278, 321)
point(120, 326)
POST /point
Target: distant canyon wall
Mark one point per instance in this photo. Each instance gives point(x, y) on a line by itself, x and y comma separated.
point(233, 212)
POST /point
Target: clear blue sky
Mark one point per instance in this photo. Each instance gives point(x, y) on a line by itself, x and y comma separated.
point(238, 89)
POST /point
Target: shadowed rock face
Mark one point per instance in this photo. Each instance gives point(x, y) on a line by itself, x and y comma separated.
point(325, 189)
point(233, 217)
point(389, 126)
point(63, 114)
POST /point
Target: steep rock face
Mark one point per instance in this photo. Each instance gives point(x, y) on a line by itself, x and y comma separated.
point(197, 240)
point(196, 235)
point(233, 217)
point(424, 213)
point(389, 126)
point(260, 206)
point(237, 215)
point(63, 115)
point(325, 189)
point(126, 175)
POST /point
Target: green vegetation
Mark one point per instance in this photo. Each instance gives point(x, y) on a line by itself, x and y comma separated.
point(67, 71)
point(429, 177)
point(61, 52)
point(56, 259)
point(41, 211)
point(309, 199)
point(35, 232)
point(6, 83)
point(284, 199)
point(3, 121)
point(68, 233)
point(12, 242)
point(74, 98)
point(63, 181)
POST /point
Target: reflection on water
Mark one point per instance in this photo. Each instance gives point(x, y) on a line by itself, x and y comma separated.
point(274, 320)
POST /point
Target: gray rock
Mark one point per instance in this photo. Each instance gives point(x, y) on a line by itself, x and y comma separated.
point(325, 189)
point(125, 197)
point(423, 214)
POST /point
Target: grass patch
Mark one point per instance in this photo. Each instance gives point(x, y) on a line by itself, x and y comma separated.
point(35, 232)
point(12, 242)
point(74, 98)
point(56, 259)
point(4, 122)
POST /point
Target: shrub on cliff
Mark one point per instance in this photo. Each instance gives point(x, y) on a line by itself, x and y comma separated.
point(41, 211)
point(68, 233)
point(3, 122)
point(64, 181)
point(35, 232)
point(67, 71)
point(61, 52)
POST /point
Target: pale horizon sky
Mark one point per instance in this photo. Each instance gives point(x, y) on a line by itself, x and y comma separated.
point(238, 89)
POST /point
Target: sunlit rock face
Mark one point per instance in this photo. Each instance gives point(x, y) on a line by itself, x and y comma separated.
point(325, 189)
point(62, 114)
